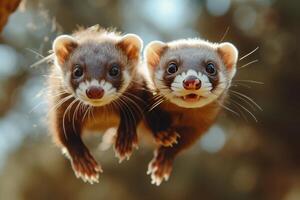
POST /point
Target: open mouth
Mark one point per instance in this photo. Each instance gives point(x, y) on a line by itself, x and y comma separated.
point(191, 97)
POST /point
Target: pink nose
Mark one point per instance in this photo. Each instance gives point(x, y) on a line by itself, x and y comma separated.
point(94, 92)
point(192, 83)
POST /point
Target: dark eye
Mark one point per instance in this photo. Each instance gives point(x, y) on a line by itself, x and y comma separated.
point(114, 70)
point(172, 68)
point(211, 69)
point(78, 71)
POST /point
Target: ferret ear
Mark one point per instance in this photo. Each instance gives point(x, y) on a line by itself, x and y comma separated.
point(229, 55)
point(153, 52)
point(63, 46)
point(131, 45)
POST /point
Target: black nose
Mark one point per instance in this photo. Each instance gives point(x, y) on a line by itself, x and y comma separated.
point(192, 83)
point(95, 92)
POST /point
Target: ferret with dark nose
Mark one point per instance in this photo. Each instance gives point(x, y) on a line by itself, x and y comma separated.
point(92, 87)
point(191, 79)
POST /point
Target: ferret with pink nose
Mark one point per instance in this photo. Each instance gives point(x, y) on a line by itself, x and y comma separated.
point(92, 86)
point(190, 80)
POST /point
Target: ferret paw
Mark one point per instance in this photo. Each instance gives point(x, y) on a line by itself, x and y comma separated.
point(167, 138)
point(85, 166)
point(160, 169)
point(124, 147)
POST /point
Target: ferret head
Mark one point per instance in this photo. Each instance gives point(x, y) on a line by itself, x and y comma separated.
point(191, 73)
point(97, 68)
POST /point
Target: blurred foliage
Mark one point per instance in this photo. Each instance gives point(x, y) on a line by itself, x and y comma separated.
point(253, 161)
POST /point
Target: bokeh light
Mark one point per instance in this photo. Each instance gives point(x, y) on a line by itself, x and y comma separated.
point(237, 158)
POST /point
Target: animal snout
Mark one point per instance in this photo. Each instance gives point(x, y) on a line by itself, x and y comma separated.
point(192, 83)
point(95, 92)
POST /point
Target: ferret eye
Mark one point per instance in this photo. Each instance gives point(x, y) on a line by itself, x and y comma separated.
point(211, 69)
point(172, 68)
point(114, 70)
point(78, 71)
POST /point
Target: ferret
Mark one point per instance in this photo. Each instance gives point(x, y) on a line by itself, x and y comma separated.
point(191, 78)
point(92, 87)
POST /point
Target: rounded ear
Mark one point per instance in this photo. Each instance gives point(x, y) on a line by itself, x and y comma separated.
point(229, 55)
point(153, 52)
point(63, 46)
point(131, 45)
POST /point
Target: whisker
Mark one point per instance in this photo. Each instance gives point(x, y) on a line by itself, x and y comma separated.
point(224, 106)
point(156, 97)
point(60, 102)
point(240, 112)
point(240, 84)
point(224, 35)
point(45, 59)
point(245, 101)
point(121, 108)
point(249, 112)
point(134, 96)
point(227, 108)
point(249, 63)
point(157, 103)
point(36, 106)
point(134, 103)
point(127, 108)
point(86, 110)
point(64, 115)
point(89, 112)
point(92, 113)
point(52, 76)
point(75, 115)
point(248, 81)
point(248, 98)
point(248, 54)
point(35, 52)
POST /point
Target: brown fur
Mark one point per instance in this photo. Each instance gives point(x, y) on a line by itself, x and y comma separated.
point(180, 125)
point(94, 49)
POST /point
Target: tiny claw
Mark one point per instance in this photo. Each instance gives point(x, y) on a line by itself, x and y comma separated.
point(84, 166)
point(167, 138)
point(99, 169)
point(121, 160)
point(159, 168)
point(136, 146)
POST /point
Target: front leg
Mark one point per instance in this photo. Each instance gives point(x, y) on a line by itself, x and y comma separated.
point(68, 134)
point(161, 165)
point(83, 163)
point(126, 135)
point(159, 122)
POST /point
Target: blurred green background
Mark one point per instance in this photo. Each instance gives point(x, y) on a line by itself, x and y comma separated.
point(238, 158)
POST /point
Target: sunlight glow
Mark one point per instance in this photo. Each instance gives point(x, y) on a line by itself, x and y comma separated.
point(214, 140)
